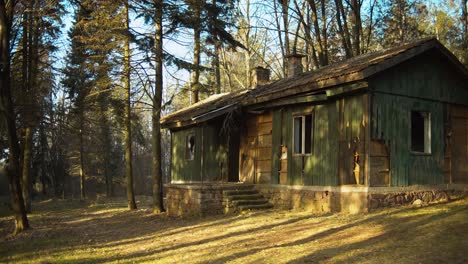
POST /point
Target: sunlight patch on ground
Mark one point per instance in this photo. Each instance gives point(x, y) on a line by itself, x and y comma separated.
point(110, 233)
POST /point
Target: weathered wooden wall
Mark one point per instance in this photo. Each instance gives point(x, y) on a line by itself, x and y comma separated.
point(456, 152)
point(255, 148)
point(339, 127)
point(210, 161)
point(426, 83)
point(182, 169)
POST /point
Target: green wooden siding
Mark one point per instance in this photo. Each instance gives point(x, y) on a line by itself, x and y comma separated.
point(210, 161)
point(426, 83)
point(214, 153)
point(392, 124)
point(321, 166)
point(427, 76)
point(183, 169)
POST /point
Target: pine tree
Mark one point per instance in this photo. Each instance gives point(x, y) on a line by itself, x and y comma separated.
point(7, 111)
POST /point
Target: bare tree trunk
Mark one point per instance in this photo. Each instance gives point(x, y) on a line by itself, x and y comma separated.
point(217, 48)
point(128, 125)
point(27, 149)
point(8, 114)
point(356, 25)
point(370, 28)
point(284, 52)
point(343, 28)
point(195, 78)
point(284, 7)
point(307, 32)
point(320, 32)
point(158, 204)
point(26, 173)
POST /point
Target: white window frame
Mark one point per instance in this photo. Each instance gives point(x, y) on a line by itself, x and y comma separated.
point(302, 134)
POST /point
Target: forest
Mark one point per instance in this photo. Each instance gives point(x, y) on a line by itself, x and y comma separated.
point(84, 83)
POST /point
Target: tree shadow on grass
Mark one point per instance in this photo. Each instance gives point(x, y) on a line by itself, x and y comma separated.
point(165, 249)
point(397, 234)
point(69, 225)
point(328, 253)
point(106, 230)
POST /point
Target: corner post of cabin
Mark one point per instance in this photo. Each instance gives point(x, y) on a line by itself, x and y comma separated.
point(368, 138)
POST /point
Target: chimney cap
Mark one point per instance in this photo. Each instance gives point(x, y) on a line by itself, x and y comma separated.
point(259, 76)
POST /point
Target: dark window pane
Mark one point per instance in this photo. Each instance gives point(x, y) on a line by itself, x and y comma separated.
point(417, 131)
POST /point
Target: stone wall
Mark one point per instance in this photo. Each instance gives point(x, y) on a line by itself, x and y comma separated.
point(417, 197)
point(208, 199)
point(315, 198)
point(355, 199)
point(196, 199)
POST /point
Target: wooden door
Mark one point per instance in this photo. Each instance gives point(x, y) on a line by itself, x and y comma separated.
point(255, 154)
point(459, 145)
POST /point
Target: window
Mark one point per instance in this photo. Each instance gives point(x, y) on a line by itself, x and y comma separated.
point(302, 131)
point(421, 132)
point(190, 150)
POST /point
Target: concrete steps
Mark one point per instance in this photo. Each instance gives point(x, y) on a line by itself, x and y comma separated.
point(245, 198)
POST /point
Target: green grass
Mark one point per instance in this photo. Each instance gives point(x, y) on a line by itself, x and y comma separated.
point(71, 231)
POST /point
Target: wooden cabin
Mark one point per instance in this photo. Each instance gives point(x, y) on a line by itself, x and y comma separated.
point(376, 127)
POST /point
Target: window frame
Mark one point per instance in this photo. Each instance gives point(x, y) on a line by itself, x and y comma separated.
point(427, 133)
point(303, 134)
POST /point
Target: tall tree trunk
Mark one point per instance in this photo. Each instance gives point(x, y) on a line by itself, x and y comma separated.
point(31, 39)
point(284, 8)
point(195, 78)
point(158, 204)
point(321, 38)
point(343, 28)
point(217, 48)
point(26, 173)
point(8, 115)
point(128, 125)
point(356, 26)
point(303, 14)
point(27, 149)
point(284, 52)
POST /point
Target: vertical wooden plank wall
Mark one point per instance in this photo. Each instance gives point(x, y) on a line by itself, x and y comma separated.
point(458, 145)
point(256, 148)
point(215, 165)
point(425, 83)
point(182, 169)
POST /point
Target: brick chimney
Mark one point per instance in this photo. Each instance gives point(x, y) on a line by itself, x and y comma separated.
point(294, 64)
point(259, 76)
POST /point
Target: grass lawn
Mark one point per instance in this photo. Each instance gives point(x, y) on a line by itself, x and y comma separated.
point(65, 231)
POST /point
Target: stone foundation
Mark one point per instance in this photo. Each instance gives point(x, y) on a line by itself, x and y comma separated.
point(355, 199)
point(208, 199)
point(197, 199)
point(423, 196)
